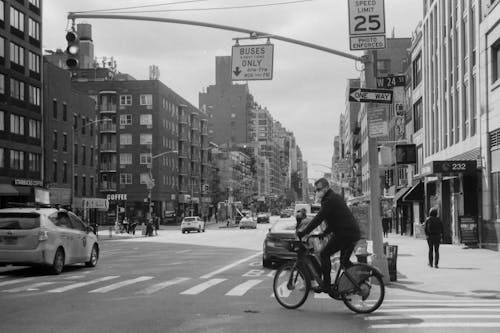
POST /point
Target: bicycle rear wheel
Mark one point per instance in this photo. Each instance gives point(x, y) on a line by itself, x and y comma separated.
point(369, 298)
point(291, 286)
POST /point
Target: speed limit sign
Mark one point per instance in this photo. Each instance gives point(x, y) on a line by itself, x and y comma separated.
point(366, 24)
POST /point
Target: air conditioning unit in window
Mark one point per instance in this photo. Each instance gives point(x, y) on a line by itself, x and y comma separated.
point(399, 109)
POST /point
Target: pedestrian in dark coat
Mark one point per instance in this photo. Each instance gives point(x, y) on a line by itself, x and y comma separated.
point(434, 232)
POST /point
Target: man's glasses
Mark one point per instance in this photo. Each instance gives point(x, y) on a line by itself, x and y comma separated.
point(318, 189)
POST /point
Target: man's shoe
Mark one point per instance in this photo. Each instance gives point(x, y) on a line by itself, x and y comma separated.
point(430, 265)
point(436, 266)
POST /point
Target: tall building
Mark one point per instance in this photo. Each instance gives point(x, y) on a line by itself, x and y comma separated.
point(450, 112)
point(21, 127)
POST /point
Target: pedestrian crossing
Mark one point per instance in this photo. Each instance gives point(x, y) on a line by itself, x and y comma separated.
point(435, 313)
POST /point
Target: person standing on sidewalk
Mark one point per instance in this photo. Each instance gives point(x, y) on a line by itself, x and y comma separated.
point(434, 232)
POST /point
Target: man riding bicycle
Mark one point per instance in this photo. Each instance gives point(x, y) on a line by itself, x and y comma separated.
point(341, 224)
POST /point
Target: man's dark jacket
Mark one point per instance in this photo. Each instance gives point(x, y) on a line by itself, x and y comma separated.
point(338, 217)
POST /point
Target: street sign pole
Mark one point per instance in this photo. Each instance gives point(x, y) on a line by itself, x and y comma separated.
point(378, 259)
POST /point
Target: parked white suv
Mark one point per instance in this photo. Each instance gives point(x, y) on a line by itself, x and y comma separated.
point(192, 223)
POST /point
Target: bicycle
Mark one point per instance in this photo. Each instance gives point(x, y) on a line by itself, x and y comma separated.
point(355, 286)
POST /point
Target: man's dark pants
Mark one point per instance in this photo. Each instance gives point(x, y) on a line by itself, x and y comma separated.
point(337, 243)
point(433, 242)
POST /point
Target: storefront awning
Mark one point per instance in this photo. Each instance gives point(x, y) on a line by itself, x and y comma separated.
point(7, 190)
point(416, 193)
point(399, 194)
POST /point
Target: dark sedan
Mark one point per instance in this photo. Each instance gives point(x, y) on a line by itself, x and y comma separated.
point(274, 244)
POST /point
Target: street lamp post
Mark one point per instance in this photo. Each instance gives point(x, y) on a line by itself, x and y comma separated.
point(151, 183)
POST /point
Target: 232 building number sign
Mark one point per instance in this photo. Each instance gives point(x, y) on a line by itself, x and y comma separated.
point(366, 24)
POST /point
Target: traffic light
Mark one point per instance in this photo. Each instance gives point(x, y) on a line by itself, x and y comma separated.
point(72, 49)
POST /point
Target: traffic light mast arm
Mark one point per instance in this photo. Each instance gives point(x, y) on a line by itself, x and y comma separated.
point(253, 34)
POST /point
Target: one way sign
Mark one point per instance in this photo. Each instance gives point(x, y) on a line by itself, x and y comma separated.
point(364, 95)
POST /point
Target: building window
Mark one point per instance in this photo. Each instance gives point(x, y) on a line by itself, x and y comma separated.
point(146, 99)
point(54, 140)
point(17, 89)
point(2, 11)
point(16, 54)
point(84, 186)
point(84, 120)
point(91, 156)
point(16, 19)
point(383, 66)
point(75, 153)
point(65, 173)
point(495, 191)
point(91, 183)
point(125, 158)
point(33, 29)
point(54, 108)
point(34, 95)
point(2, 84)
point(16, 160)
point(54, 171)
point(2, 158)
point(145, 158)
point(126, 178)
point(65, 143)
point(75, 185)
point(34, 162)
point(125, 99)
point(65, 112)
point(2, 121)
point(34, 129)
point(125, 119)
point(146, 119)
point(35, 3)
point(146, 139)
point(417, 115)
point(2, 47)
point(17, 124)
point(84, 155)
point(126, 139)
point(417, 70)
point(495, 59)
point(75, 122)
point(465, 112)
point(144, 178)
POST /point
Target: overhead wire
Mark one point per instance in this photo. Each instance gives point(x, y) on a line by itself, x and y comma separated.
point(142, 6)
point(199, 9)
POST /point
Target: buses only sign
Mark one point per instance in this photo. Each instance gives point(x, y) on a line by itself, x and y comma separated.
point(252, 62)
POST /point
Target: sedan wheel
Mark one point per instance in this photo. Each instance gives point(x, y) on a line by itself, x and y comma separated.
point(94, 256)
point(58, 264)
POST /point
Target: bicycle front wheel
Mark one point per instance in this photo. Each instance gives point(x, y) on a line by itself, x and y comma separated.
point(368, 298)
point(291, 286)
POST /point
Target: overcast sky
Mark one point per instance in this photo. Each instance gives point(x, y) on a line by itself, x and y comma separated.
point(307, 93)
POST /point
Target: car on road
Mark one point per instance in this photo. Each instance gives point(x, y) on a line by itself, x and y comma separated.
point(274, 247)
point(248, 222)
point(192, 223)
point(263, 218)
point(46, 236)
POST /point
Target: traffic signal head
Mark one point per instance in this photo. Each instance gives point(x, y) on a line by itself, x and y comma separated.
point(72, 49)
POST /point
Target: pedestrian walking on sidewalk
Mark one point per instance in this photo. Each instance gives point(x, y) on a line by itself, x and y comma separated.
point(434, 232)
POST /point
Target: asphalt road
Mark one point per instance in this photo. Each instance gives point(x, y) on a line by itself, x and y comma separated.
point(197, 283)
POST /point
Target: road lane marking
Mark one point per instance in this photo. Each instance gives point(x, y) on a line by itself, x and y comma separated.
point(241, 289)
point(225, 268)
point(81, 284)
point(441, 316)
point(117, 285)
point(182, 251)
point(439, 325)
point(31, 287)
point(202, 287)
point(5, 283)
point(159, 286)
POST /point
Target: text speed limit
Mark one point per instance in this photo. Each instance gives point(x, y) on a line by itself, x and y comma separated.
point(366, 17)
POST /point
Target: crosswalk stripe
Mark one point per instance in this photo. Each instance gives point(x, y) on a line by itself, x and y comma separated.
point(485, 309)
point(159, 286)
point(441, 316)
point(5, 283)
point(242, 288)
point(117, 285)
point(202, 286)
point(30, 287)
point(81, 284)
point(439, 325)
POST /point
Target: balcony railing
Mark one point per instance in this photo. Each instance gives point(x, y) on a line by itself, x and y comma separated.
point(108, 107)
point(107, 186)
point(108, 127)
point(108, 147)
point(106, 167)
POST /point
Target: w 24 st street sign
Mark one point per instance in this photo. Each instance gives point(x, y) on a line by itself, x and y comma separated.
point(364, 95)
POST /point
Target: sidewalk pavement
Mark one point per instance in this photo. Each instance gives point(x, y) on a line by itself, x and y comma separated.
point(462, 272)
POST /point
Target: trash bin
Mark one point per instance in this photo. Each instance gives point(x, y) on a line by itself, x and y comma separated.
point(391, 253)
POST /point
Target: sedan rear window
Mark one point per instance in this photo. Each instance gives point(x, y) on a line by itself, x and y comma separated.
point(284, 225)
point(19, 221)
point(190, 219)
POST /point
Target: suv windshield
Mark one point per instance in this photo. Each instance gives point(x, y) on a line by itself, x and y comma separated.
point(189, 219)
point(22, 221)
